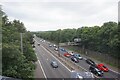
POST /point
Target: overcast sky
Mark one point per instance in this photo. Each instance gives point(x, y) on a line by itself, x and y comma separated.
point(44, 15)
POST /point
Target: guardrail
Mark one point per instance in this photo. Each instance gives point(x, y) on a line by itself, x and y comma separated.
point(67, 60)
point(60, 59)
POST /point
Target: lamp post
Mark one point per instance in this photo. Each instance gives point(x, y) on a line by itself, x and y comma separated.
point(21, 43)
point(59, 43)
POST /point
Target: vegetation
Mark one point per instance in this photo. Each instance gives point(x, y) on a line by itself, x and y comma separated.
point(15, 63)
point(104, 39)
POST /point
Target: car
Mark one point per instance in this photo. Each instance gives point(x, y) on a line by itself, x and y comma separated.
point(56, 49)
point(71, 53)
point(74, 59)
point(43, 40)
point(102, 67)
point(50, 45)
point(78, 56)
point(33, 42)
point(85, 76)
point(90, 62)
point(33, 46)
point(79, 77)
point(54, 64)
point(54, 45)
point(96, 71)
point(66, 54)
point(62, 49)
point(38, 44)
point(82, 75)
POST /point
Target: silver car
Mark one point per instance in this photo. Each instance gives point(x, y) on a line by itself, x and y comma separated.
point(54, 64)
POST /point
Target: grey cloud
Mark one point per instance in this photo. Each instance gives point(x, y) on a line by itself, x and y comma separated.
point(64, 13)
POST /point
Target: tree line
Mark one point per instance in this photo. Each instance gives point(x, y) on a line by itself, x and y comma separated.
point(15, 63)
point(104, 39)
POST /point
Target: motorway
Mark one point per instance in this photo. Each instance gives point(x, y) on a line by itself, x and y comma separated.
point(45, 58)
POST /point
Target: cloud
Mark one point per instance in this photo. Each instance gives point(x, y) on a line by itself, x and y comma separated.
point(42, 15)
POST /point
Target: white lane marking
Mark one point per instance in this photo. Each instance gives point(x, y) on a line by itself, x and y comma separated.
point(41, 67)
point(47, 59)
point(55, 58)
point(109, 69)
point(114, 71)
point(62, 63)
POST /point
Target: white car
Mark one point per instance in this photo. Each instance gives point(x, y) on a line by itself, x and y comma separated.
point(54, 45)
point(56, 49)
point(78, 56)
point(71, 53)
point(82, 75)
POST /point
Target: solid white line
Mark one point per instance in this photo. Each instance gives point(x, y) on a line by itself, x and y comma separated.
point(97, 63)
point(114, 71)
point(60, 61)
point(41, 67)
point(55, 58)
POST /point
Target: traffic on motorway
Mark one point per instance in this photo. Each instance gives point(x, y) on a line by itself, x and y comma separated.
point(98, 69)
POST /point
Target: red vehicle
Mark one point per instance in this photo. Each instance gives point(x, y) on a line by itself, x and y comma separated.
point(67, 54)
point(102, 67)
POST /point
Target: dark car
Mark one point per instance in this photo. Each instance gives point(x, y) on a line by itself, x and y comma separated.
point(96, 71)
point(33, 46)
point(54, 64)
point(38, 44)
point(90, 62)
point(74, 59)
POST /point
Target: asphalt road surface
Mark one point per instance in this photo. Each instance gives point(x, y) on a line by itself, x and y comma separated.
point(45, 58)
point(62, 69)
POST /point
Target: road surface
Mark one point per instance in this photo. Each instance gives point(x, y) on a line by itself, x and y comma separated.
point(82, 63)
point(45, 58)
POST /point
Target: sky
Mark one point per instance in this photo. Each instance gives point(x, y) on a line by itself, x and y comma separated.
point(45, 15)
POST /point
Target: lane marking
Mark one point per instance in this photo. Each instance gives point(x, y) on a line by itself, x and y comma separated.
point(109, 68)
point(55, 58)
point(62, 63)
point(41, 67)
point(114, 71)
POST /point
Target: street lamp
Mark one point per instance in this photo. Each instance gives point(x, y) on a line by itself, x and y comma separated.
point(21, 42)
point(59, 43)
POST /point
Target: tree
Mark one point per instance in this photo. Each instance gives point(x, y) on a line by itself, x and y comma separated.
point(104, 39)
point(14, 63)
